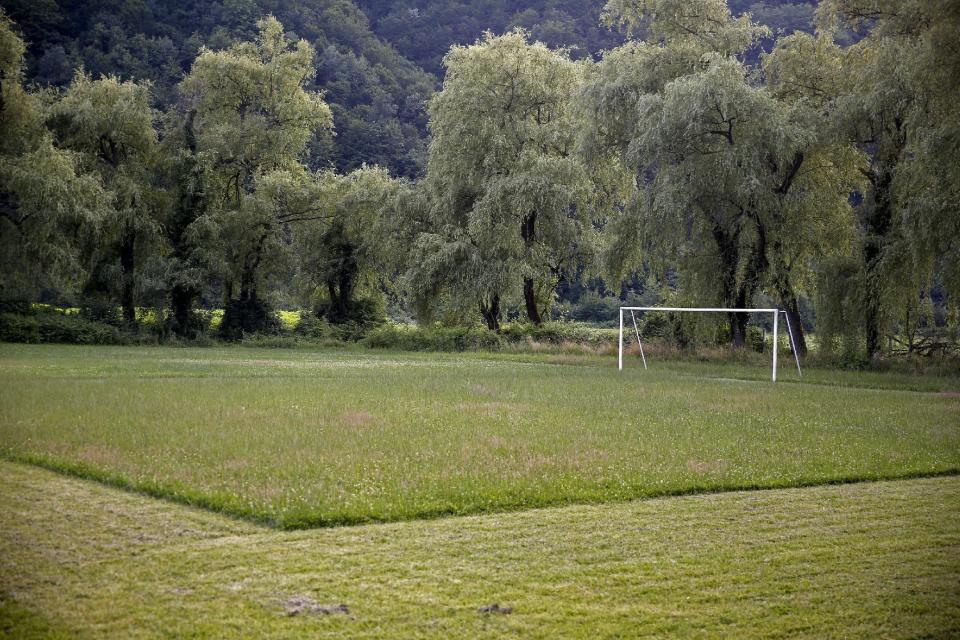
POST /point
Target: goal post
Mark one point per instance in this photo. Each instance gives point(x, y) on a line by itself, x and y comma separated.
point(774, 312)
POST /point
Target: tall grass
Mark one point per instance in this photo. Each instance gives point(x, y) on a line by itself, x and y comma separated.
point(305, 438)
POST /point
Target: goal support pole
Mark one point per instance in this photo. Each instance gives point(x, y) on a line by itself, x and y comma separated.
point(639, 344)
point(793, 343)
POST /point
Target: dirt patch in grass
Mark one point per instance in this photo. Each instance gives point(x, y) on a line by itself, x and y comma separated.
point(495, 608)
point(482, 390)
point(100, 456)
point(305, 605)
point(704, 467)
point(948, 394)
point(236, 464)
point(356, 418)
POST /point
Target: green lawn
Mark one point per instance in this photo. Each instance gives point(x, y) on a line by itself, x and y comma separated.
point(871, 560)
point(308, 438)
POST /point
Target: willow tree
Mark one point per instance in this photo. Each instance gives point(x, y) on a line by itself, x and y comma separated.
point(45, 198)
point(253, 118)
point(511, 200)
point(732, 183)
point(186, 265)
point(111, 125)
point(898, 104)
point(343, 256)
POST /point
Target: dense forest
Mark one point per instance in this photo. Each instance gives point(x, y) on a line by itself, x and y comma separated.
point(377, 62)
point(472, 162)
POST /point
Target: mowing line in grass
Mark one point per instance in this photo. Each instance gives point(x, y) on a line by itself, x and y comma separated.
point(853, 561)
point(322, 439)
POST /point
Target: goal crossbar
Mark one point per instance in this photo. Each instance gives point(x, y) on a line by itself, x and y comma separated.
point(774, 312)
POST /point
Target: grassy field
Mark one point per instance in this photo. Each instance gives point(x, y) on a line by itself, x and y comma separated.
point(873, 560)
point(306, 438)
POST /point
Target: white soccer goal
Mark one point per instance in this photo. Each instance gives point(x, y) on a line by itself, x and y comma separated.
point(776, 317)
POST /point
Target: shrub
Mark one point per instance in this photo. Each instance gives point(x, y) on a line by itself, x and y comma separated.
point(411, 338)
point(101, 312)
point(311, 327)
point(247, 316)
point(558, 333)
point(592, 307)
point(54, 327)
point(755, 338)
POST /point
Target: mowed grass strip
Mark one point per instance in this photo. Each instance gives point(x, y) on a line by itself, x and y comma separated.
point(301, 439)
point(871, 560)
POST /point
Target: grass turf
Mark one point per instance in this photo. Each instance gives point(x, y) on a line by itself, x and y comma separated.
point(872, 560)
point(304, 438)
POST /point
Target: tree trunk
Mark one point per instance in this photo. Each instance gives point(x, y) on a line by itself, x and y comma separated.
point(247, 314)
point(738, 329)
point(248, 287)
point(788, 299)
point(491, 313)
point(757, 269)
point(181, 306)
point(227, 292)
point(127, 303)
point(528, 231)
point(530, 298)
point(792, 307)
point(877, 222)
point(345, 284)
point(190, 205)
point(732, 293)
point(335, 302)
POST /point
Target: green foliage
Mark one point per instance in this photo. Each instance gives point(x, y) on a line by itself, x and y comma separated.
point(704, 25)
point(510, 202)
point(254, 119)
point(54, 327)
point(110, 124)
point(45, 198)
point(341, 256)
point(377, 95)
point(425, 31)
point(736, 186)
point(592, 307)
point(687, 154)
point(897, 102)
point(310, 326)
point(436, 338)
point(513, 336)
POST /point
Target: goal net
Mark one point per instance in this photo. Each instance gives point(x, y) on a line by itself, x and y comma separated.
point(632, 311)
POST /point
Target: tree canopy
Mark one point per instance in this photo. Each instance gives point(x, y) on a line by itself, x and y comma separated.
point(702, 157)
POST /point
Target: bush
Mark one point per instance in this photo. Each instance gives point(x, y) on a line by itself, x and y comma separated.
point(286, 341)
point(313, 328)
point(592, 307)
point(558, 333)
point(101, 312)
point(411, 338)
point(439, 338)
point(53, 327)
point(755, 338)
point(363, 312)
point(247, 316)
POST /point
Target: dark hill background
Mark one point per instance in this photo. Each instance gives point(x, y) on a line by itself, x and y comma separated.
point(377, 60)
